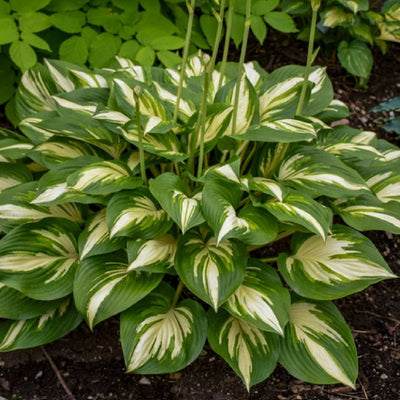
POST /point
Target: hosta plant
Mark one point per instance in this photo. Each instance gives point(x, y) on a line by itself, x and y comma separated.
point(160, 195)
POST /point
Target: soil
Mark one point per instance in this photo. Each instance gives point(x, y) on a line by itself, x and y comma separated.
point(90, 364)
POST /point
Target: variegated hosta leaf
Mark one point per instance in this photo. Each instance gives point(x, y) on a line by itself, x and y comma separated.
point(158, 338)
point(263, 227)
point(230, 170)
point(103, 178)
point(216, 125)
point(95, 238)
point(269, 186)
point(248, 102)
point(345, 263)
point(16, 207)
point(155, 255)
point(13, 175)
point(137, 72)
point(350, 145)
point(282, 130)
point(124, 97)
point(104, 286)
point(280, 100)
point(170, 192)
point(39, 258)
point(165, 145)
point(384, 182)
point(318, 346)
point(15, 305)
point(367, 213)
point(33, 332)
point(135, 214)
point(261, 299)
point(318, 173)
point(29, 126)
point(335, 111)
point(220, 198)
point(14, 149)
point(53, 188)
point(251, 352)
point(211, 271)
point(57, 150)
point(300, 210)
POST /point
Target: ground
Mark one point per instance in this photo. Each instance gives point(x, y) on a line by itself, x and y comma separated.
point(91, 365)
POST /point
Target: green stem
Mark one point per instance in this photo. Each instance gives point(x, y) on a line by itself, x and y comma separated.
point(136, 94)
point(240, 66)
point(310, 52)
point(227, 42)
point(283, 235)
point(185, 54)
point(207, 77)
point(269, 259)
point(177, 294)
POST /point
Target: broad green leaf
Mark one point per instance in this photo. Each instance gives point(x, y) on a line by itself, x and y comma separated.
point(355, 57)
point(39, 258)
point(280, 21)
point(158, 338)
point(167, 43)
point(345, 263)
point(69, 21)
point(261, 300)
point(170, 192)
point(23, 55)
point(282, 130)
point(15, 305)
point(103, 48)
point(33, 22)
point(104, 287)
point(103, 178)
point(74, 50)
point(209, 26)
point(258, 28)
point(35, 41)
point(318, 346)
point(168, 58)
point(300, 210)
point(8, 77)
point(8, 30)
point(145, 56)
point(129, 49)
point(212, 271)
point(369, 213)
point(155, 255)
point(23, 6)
point(95, 238)
point(251, 352)
point(318, 173)
point(25, 333)
point(238, 22)
point(66, 5)
point(136, 215)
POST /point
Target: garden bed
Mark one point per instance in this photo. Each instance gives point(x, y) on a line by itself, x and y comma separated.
point(91, 364)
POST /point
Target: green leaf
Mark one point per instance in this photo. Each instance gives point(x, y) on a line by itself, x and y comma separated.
point(104, 287)
point(103, 48)
point(8, 77)
point(355, 57)
point(237, 28)
point(167, 43)
point(69, 21)
point(251, 352)
point(336, 16)
point(23, 55)
point(169, 59)
point(15, 305)
point(23, 6)
point(280, 21)
point(345, 263)
point(258, 28)
point(95, 237)
point(368, 213)
point(34, 22)
point(355, 6)
point(25, 333)
point(260, 7)
point(209, 25)
point(300, 210)
point(74, 50)
point(66, 5)
point(129, 49)
point(135, 214)
point(8, 30)
point(170, 192)
point(12, 175)
point(39, 258)
point(4, 7)
point(335, 111)
point(175, 335)
point(261, 300)
point(212, 271)
point(156, 255)
point(35, 41)
point(318, 173)
point(145, 56)
point(318, 346)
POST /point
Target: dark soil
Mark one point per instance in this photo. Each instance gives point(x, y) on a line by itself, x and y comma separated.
point(92, 366)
